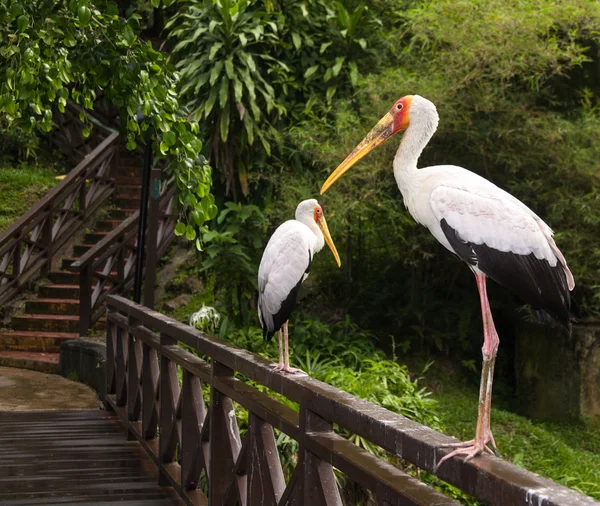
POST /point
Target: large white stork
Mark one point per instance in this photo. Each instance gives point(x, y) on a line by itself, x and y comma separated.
point(494, 233)
point(285, 264)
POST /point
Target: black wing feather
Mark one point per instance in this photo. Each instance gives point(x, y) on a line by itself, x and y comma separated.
point(287, 306)
point(539, 284)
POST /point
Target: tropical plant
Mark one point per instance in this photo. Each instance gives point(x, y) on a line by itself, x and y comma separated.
point(246, 64)
point(225, 52)
point(68, 50)
point(232, 255)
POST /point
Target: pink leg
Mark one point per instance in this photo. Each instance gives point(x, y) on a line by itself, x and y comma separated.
point(286, 367)
point(279, 366)
point(483, 432)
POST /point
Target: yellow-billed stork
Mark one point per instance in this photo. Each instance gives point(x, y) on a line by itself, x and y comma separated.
point(493, 232)
point(284, 266)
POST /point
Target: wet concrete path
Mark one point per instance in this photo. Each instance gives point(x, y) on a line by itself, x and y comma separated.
point(24, 390)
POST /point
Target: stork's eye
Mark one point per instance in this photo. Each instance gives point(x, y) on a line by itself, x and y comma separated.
point(399, 106)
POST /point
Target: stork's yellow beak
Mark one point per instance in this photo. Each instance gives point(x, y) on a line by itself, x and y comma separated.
point(394, 121)
point(323, 226)
point(377, 136)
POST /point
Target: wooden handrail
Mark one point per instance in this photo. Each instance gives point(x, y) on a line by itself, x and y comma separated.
point(115, 252)
point(27, 247)
point(102, 150)
point(143, 358)
point(107, 241)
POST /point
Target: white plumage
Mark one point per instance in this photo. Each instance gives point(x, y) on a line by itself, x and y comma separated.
point(492, 231)
point(285, 265)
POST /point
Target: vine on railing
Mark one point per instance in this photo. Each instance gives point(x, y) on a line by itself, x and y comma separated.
point(26, 248)
point(199, 451)
point(109, 266)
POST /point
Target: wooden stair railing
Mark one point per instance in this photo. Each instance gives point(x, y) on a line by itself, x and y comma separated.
point(108, 268)
point(27, 247)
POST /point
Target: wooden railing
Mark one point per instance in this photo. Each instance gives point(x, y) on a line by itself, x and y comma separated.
point(191, 442)
point(26, 248)
point(109, 266)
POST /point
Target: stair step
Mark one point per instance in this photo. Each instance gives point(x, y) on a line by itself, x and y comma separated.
point(94, 237)
point(50, 323)
point(129, 202)
point(121, 214)
point(126, 160)
point(24, 340)
point(129, 190)
point(34, 361)
point(52, 306)
point(65, 265)
point(107, 225)
point(80, 249)
point(60, 291)
point(64, 277)
point(127, 180)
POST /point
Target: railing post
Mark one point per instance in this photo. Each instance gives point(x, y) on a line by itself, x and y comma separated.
point(170, 421)
point(319, 487)
point(150, 374)
point(225, 444)
point(85, 299)
point(47, 241)
point(17, 260)
point(82, 197)
point(111, 346)
point(152, 238)
point(134, 370)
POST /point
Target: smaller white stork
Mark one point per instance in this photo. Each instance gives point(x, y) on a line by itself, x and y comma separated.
point(493, 232)
point(284, 266)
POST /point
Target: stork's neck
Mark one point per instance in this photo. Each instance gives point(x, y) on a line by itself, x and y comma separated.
point(414, 140)
point(319, 241)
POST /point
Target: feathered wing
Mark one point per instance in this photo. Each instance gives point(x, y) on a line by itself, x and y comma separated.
point(502, 238)
point(284, 266)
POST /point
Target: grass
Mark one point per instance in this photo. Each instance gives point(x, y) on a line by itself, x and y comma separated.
point(21, 187)
point(566, 452)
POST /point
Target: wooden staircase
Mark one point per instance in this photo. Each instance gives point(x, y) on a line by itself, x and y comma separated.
point(33, 338)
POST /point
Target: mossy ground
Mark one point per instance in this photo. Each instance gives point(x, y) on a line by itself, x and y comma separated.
point(567, 452)
point(21, 187)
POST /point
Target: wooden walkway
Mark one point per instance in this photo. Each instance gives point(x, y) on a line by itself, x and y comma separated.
point(74, 457)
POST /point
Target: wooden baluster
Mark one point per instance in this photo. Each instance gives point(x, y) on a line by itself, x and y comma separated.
point(134, 370)
point(111, 345)
point(193, 417)
point(225, 444)
point(265, 476)
point(17, 260)
point(318, 483)
point(85, 299)
point(47, 241)
point(82, 198)
point(151, 239)
point(169, 408)
point(149, 392)
point(121, 367)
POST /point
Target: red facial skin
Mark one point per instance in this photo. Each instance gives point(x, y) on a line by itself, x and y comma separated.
point(318, 214)
point(400, 113)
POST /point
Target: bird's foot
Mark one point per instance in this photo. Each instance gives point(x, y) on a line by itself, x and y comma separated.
point(293, 370)
point(470, 448)
point(278, 366)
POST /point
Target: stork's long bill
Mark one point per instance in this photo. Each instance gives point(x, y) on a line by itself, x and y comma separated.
point(322, 223)
point(394, 121)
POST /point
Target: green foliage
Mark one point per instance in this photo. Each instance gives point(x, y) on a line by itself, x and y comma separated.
point(54, 51)
point(21, 187)
point(232, 254)
point(565, 452)
point(517, 97)
point(246, 65)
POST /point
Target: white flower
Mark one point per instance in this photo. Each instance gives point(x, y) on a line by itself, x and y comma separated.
point(206, 318)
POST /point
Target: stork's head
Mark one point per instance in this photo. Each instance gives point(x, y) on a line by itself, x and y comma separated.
point(310, 210)
point(411, 108)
